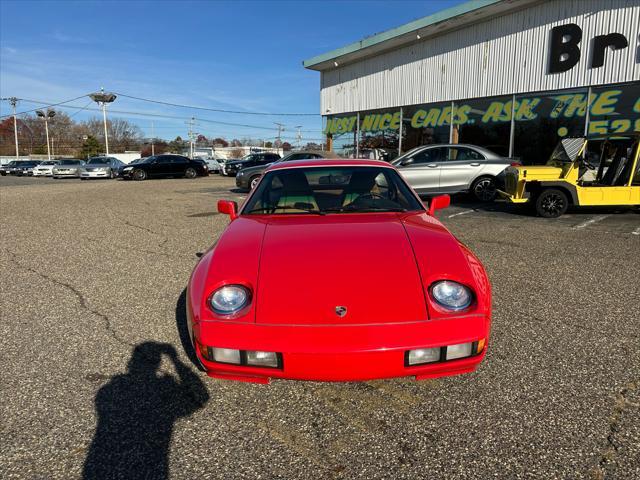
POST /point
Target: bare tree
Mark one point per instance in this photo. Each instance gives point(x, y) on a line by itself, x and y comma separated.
point(236, 153)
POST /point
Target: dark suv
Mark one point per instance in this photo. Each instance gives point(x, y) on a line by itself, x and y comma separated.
point(251, 160)
point(165, 166)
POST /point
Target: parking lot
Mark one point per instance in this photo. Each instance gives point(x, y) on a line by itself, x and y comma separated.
point(92, 270)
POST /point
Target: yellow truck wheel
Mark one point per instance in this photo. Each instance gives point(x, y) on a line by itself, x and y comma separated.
point(551, 203)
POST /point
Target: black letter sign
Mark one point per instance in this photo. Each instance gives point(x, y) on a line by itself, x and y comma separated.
point(600, 44)
point(564, 54)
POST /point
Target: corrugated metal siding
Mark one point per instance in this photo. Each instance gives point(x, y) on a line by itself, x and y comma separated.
point(504, 55)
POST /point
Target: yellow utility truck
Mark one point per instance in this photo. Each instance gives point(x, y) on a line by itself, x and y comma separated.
point(582, 172)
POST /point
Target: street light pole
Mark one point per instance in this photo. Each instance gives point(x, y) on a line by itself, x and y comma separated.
point(46, 129)
point(102, 98)
point(106, 135)
point(46, 116)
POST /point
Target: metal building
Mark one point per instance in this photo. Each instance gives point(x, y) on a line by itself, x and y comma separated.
point(511, 75)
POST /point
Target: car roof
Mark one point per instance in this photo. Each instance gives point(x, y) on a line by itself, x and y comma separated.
point(322, 153)
point(335, 162)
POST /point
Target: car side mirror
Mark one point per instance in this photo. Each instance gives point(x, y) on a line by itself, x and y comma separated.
point(438, 203)
point(228, 207)
point(407, 161)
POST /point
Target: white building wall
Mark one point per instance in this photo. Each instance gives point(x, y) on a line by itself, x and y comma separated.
point(504, 55)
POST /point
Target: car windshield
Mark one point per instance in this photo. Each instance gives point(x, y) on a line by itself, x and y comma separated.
point(98, 161)
point(48, 163)
point(68, 162)
point(407, 154)
point(322, 190)
point(567, 150)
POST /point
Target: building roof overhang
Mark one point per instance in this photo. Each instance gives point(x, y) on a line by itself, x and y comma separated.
point(452, 18)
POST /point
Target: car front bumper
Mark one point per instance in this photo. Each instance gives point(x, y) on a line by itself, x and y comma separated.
point(242, 181)
point(42, 173)
point(95, 174)
point(66, 173)
point(230, 171)
point(341, 352)
point(512, 198)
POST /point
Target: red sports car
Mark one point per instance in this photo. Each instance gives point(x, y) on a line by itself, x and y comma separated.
point(334, 270)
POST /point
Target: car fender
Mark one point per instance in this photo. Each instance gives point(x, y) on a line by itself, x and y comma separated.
point(534, 187)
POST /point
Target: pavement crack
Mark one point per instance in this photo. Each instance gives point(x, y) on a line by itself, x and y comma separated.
point(82, 300)
point(140, 227)
point(622, 403)
point(148, 230)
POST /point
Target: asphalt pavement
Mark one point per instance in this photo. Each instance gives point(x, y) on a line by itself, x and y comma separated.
point(94, 371)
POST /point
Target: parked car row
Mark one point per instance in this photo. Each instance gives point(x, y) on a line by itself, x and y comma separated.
point(166, 165)
point(18, 167)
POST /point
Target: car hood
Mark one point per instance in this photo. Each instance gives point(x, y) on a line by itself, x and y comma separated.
point(256, 169)
point(303, 268)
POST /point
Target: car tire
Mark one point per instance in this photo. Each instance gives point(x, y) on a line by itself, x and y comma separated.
point(253, 181)
point(551, 203)
point(190, 173)
point(112, 175)
point(139, 175)
point(483, 189)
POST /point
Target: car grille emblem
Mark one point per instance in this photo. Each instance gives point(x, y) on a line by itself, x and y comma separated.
point(341, 311)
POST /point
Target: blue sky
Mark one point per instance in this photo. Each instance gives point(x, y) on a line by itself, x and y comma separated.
point(234, 55)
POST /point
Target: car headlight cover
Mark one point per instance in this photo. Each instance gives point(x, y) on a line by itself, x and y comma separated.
point(229, 299)
point(127, 168)
point(451, 295)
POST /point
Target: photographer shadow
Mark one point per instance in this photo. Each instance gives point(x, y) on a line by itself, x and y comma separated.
point(136, 413)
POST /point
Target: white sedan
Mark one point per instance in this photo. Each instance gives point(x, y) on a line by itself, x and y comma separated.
point(45, 169)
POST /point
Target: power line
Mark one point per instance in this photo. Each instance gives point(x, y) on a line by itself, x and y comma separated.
point(160, 102)
point(81, 109)
point(146, 114)
point(42, 103)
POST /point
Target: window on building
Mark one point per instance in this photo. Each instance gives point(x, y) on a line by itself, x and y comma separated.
point(485, 122)
point(541, 120)
point(425, 125)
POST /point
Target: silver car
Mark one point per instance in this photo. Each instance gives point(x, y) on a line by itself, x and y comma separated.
point(67, 168)
point(453, 168)
point(101, 167)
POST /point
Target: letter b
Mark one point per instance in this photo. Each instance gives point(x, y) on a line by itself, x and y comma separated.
point(564, 54)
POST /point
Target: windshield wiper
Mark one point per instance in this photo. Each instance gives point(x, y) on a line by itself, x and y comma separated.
point(360, 210)
point(286, 207)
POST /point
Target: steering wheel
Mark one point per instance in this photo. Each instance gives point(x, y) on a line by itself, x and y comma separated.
point(589, 166)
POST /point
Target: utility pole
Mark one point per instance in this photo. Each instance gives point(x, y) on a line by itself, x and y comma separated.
point(153, 149)
point(14, 102)
point(191, 137)
point(280, 130)
point(298, 136)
